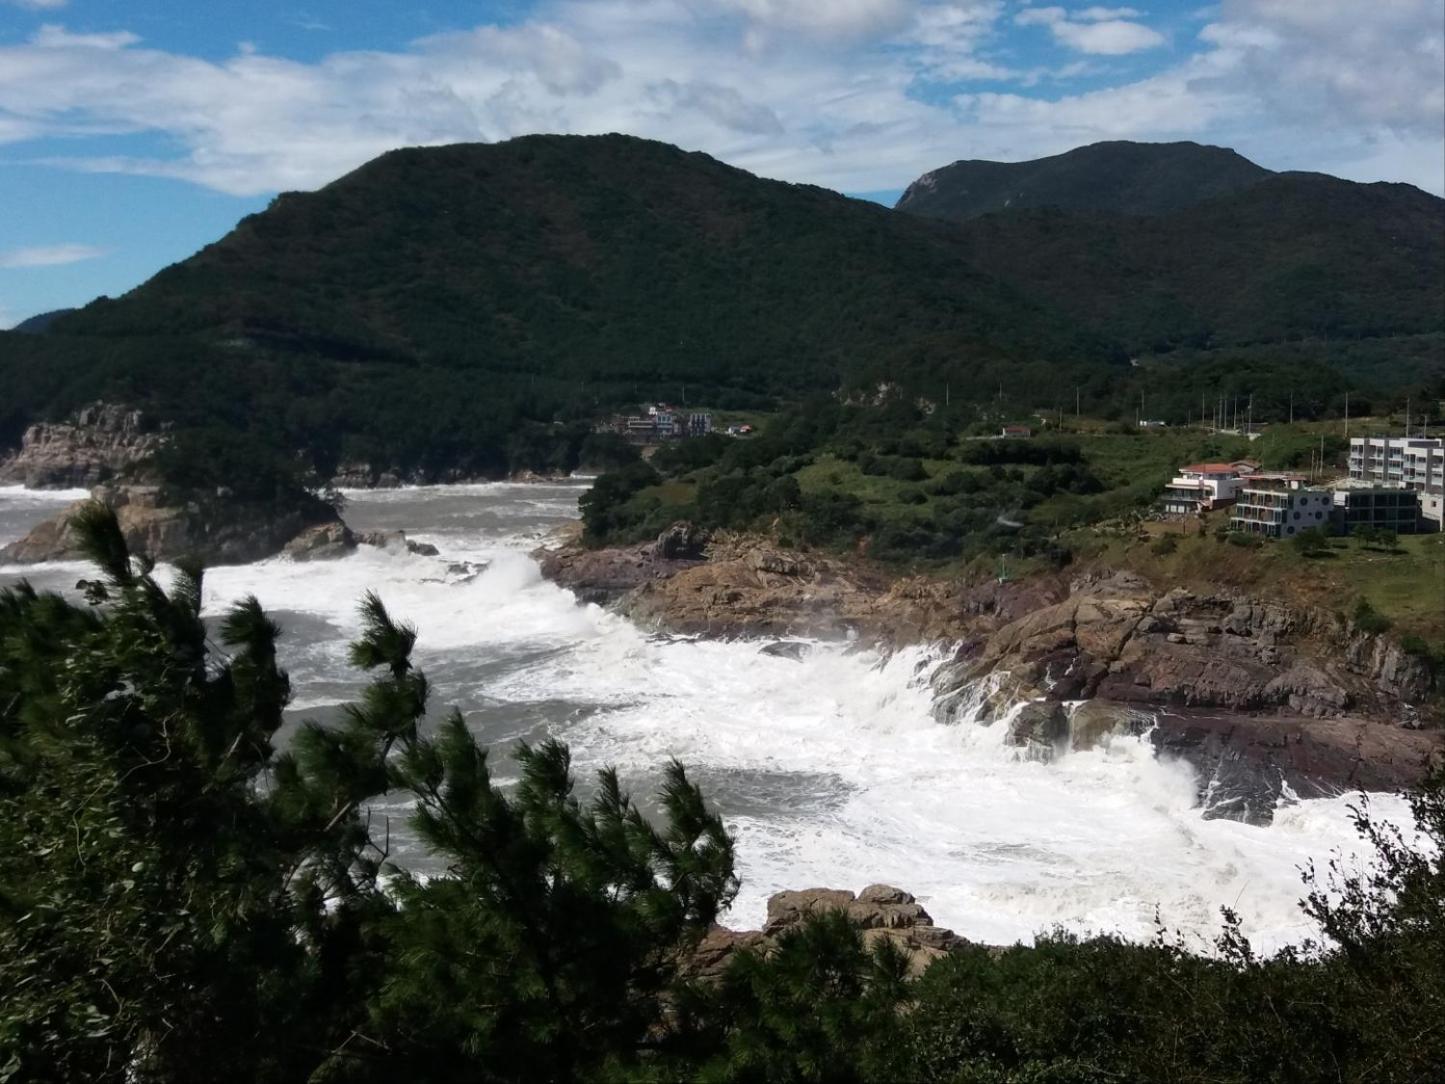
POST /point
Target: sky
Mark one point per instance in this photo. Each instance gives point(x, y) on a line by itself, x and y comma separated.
point(133, 132)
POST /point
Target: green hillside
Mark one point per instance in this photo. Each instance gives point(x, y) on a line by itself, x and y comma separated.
point(1297, 256)
point(439, 298)
point(1117, 177)
point(470, 309)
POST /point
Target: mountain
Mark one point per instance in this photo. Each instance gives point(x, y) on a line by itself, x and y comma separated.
point(1165, 246)
point(472, 309)
point(1117, 177)
point(1296, 256)
point(40, 321)
point(434, 300)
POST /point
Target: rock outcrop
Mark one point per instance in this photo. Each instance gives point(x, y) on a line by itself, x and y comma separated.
point(741, 586)
point(882, 912)
point(1118, 639)
point(327, 541)
point(1262, 699)
point(167, 525)
point(94, 445)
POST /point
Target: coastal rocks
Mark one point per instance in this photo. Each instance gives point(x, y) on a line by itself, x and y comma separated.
point(882, 912)
point(1246, 764)
point(1116, 639)
point(1040, 728)
point(604, 576)
point(681, 542)
point(323, 542)
point(327, 541)
point(94, 445)
point(786, 649)
point(743, 586)
point(167, 525)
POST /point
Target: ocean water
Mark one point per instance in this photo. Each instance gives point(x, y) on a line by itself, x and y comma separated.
point(830, 771)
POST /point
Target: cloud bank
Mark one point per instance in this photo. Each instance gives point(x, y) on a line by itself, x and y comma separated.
point(858, 95)
point(49, 255)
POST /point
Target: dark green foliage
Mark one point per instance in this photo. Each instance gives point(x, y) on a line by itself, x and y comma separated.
point(601, 504)
point(1164, 545)
point(1367, 619)
point(180, 902)
point(1036, 452)
point(1311, 542)
point(1118, 177)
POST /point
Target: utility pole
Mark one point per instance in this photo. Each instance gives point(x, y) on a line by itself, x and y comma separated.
point(1076, 402)
point(1249, 418)
point(1347, 415)
point(1291, 406)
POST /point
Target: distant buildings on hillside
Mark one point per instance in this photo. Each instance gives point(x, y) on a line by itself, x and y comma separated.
point(1395, 484)
point(659, 423)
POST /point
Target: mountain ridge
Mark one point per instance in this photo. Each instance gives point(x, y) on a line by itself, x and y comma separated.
point(1118, 176)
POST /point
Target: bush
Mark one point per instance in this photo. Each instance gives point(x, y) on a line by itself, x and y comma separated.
point(1248, 541)
point(1164, 545)
point(1368, 619)
point(1311, 542)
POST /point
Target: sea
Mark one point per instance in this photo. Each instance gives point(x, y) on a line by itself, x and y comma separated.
point(830, 771)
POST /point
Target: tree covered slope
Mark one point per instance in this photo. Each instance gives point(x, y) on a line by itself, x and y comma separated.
point(1117, 177)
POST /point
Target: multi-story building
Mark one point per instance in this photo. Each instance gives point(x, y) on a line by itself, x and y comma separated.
point(1413, 463)
point(1200, 487)
point(1416, 463)
point(1280, 506)
point(1379, 507)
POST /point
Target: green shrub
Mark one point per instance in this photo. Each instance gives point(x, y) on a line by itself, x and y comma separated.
point(1164, 545)
point(1367, 619)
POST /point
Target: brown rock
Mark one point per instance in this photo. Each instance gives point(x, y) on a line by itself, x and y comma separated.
point(883, 914)
point(94, 445)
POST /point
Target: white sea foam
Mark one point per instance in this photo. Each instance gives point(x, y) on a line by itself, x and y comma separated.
point(831, 770)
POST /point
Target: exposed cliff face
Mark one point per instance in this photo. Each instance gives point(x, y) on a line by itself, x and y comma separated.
point(95, 445)
point(1123, 640)
point(166, 525)
point(737, 586)
point(1262, 698)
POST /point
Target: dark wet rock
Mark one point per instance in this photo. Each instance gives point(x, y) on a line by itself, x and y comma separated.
point(681, 542)
point(1245, 763)
point(786, 649)
point(1040, 728)
point(323, 542)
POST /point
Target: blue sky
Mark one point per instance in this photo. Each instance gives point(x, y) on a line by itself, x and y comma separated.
point(132, 132)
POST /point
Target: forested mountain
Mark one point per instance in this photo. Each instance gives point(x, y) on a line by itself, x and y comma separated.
point(1296, 256)
point(452, 309)
point(1117, 177)
point(431, 301)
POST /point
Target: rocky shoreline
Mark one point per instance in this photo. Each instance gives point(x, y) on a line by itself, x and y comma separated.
point(1265, 700)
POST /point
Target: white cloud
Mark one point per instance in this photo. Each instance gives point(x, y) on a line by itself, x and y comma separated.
point(1097, 30)
point(1113, 37)
point(38, 5)
point(49, 255)
point(1098, 15)
point(765, 86)
point(1327, 60)
point(829, 18)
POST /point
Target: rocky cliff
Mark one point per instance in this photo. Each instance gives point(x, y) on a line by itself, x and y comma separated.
point(743, 586)
point(94, 445)
point(165, 524)
point(1263, 698)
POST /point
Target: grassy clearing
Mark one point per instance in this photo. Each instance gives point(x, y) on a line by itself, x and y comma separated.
point(1406, 585)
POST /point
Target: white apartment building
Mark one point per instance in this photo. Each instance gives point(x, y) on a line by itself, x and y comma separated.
point(1416, 463)
point(1200, 487)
